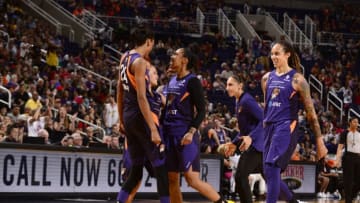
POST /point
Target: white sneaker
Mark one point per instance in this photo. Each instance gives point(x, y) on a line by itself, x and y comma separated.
point(337, 195)
point(321, 195)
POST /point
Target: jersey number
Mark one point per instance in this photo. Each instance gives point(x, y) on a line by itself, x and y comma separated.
point(123, 77)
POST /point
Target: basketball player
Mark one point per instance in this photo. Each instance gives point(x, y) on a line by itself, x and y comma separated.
point(250, 121)
point(283, 89)
point(137, 120)
point(184, 111)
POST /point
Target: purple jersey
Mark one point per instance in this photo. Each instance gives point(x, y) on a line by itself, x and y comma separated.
point(250, 120)
point(179, 113)
point(130, 103)
point(281, 100)
point(153, 98)
point(179, 109)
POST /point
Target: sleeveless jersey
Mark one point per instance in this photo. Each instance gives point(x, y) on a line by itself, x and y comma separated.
point(281, 100)
point(130, 103)
point(179, 109)
point(221, 135)
point(153, 98)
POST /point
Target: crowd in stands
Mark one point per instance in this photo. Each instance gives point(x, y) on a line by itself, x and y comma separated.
point(45, 90)
point(50, 96)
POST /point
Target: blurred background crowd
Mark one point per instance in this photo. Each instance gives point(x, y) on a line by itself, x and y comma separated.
point(54, 102)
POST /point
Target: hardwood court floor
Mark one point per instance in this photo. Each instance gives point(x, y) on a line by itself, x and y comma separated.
point(27, 200)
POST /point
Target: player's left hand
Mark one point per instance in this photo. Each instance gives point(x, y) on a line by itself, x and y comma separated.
point(245, 143)
point(187, 139)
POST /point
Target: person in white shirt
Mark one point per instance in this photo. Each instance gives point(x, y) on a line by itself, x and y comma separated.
point(111, 114)
point(350, 140)
point(35, 123)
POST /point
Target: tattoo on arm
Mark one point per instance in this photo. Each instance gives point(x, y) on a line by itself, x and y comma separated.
point(304, 90)
point(263, 84)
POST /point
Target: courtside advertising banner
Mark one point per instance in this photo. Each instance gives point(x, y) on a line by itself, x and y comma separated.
point(300, 177)
point(49, 171)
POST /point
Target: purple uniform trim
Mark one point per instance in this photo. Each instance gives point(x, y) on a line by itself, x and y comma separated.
point(280, 143)
point(180, 158)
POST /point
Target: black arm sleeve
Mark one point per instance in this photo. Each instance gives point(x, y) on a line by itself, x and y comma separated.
point(197, 98)
point(343, 137)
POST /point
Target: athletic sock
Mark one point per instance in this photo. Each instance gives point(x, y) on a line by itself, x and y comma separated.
point(285, 192)
point(165, 199)
point(272, 174)
point(122, 196)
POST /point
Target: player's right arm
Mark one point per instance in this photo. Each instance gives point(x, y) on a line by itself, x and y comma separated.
point(139, 69)
point(120, 91)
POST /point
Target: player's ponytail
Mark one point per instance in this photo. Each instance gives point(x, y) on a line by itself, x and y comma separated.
point(294, 60)
point(190, 53)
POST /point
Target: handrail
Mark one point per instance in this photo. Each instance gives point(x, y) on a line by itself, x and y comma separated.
point(200, 18)
point(9, 93)
point(310, 28)
point(351, 110)
point(95, 23)
point(313, 81)
point(273, 22)
point(329, 38)
point(44, 14)
point(226, 27)
point(339, 107)
point(71, 32)
point(77, 66)
point(85, 134)
point(295, 33)
point(82, 120)
point(51, 19)
point(67, 13)
point(115, 55)
point(302, 69)
point(247, 25)
point(177, 24)
point(97, 75)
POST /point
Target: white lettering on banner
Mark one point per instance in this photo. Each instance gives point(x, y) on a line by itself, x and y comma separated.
point(24, 170)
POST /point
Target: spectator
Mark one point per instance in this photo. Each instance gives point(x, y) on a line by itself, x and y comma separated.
point(12, 134)
point(21, 96)
point(218, 84)
point(14, 115)
point(226, 72)
point(322, 180)
point(34, 102)
point(78, 140)
point(114, 142)
point(44, 134)
point(35, 123)
point(67, 141)
point(111, 114)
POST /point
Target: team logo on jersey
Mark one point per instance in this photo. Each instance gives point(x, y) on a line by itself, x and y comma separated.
point(275, 92)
